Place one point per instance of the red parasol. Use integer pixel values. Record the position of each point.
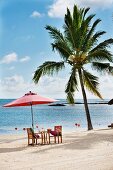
(30, 99)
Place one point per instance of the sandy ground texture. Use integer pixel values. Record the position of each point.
(84, 150)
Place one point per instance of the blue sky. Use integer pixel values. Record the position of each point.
(25, 44)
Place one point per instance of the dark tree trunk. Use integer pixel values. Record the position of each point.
(89, 123)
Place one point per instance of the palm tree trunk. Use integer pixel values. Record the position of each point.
(89, 123)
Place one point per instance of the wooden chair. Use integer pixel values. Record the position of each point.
(56, 133)
(58, 129)
(32, 136)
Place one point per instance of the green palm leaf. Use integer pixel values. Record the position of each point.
(71, 86)
(85, 12)
(103, 45)
(103, 67)
(62, 49)
(91, 83)
(70, 97)
(97, 35)
(48, 68)
(60, 43)
(78, 46)
(55, 33)
(100, 55)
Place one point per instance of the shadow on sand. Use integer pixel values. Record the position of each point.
(75, 142)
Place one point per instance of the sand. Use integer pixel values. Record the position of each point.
(86, 150)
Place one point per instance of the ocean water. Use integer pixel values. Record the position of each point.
(48, 116)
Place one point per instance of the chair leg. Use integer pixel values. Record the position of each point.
(58, 139)
(33, 141)
(36, 141)
(55, 139)
(61, 138)
(42, 138)
(46, 138)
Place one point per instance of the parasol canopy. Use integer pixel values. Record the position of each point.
(30, 99)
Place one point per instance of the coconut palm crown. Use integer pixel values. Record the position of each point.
(78, 45)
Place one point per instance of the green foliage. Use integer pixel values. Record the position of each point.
(78, 44)
(91, 83)
(100, 55)
(103, 67)
(70, 97)
(71, 86)
(48, 68)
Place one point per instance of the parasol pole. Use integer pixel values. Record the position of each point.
(32, 116)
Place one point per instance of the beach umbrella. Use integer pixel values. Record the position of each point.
(30, 99)
(110, 102)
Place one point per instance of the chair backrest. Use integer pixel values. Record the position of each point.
(30, 133)
(58, 129)
(48, 130)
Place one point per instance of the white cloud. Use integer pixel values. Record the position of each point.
(13, 57)
(58, 8)
(24, 59)
(13, 86)
(9, 58)
(35, 14)
(106, 86)
(54, 87)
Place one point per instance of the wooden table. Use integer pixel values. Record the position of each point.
(43, 137)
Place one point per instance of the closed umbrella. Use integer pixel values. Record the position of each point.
(30, 99)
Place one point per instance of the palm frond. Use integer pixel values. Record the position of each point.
(68, 18)
(72, 84)
(60, 43)
(77, 18)
(97, 35)
(85, 12)
(100, 55)
(47, 68)
(102, 67)
(55, 33)
(91, 83)
(75, 27)
(103, 45)
(84, 33)
(70, 98)
(88, 40)
(63, 49)
(69, 30)
(94, 39)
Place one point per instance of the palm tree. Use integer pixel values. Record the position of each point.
(78, 46)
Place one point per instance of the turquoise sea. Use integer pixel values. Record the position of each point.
(47, 116)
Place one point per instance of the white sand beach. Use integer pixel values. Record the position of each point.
(86, 150)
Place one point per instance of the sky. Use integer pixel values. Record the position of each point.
(25, 45)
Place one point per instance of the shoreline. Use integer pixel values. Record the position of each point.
(20, 131)
(80, 150)
(89, 103)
